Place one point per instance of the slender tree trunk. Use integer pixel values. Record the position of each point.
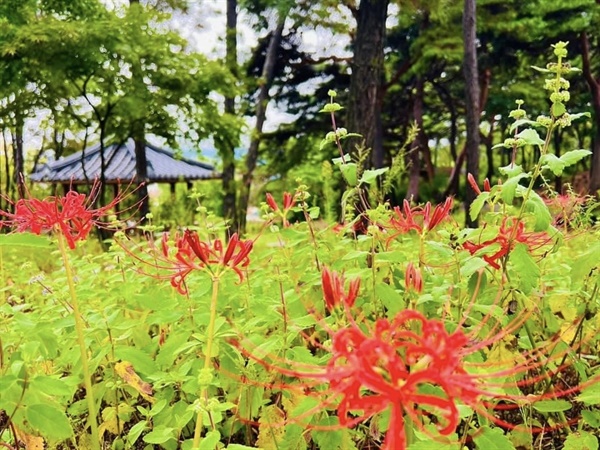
(418, 146)
(472, 101)
(364, 105)
(18, 158)
(261, 110)
(594, 84)
(139, 137)
(227, 149)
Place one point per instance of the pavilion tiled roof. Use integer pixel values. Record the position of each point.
(119, 160)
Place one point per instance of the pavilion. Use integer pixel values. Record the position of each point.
(119, 167)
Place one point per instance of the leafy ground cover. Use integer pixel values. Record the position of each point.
(400, 329)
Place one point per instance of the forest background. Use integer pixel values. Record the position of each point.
(428, 93)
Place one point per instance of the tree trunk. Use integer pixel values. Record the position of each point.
(227, 149)
(472, 102)
(419, 146)
(18, 158)
(594, 84)
(139, 137)
(261, 110)
(364, 105)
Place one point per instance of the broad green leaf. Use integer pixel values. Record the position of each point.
(210, 441)
(472, 265)
(390, 298)
(590, 395)
(24, 240)
(51, 386)
(586, 262)
(293, 439)
(574, 156)
(160, 435)
(558, 109)
(369, 176)
(140, 360)
(48, 421)
(509, 187)
(552, 406)
(518, 123)
(511, 170)
(427, 445)
(581, 440)
(239, 447)
(555, 164)
(579, 115)
(328, 437)
(543, 218)
(487, 438)
(136, 431)
(525, 268)
(477, 204)
(349, 172)
(530, 136)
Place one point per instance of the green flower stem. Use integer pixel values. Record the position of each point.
(79, 327)
(207, 358)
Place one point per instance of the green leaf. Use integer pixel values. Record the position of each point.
(518, 123)
(487, 438)
(530, 136)
(581, 440)
(574, 156)
(509, 187)
(579, 115)
(136, 431)
(210, 441)
(294, 438)
(555, 164)
(472, 265)
(558, 109)
(349, 172)
(585, 263)
(24, 240)
(536, 205)
(51, 386)
(390, 298)
(328, 437)
(525, 268)
(552, 406)
(331, 107)
(477, 204)
(239, 447)
(511, 170)
(162, 434)
(541, 69)
(369, 176)
(48, 421)
(590, 395)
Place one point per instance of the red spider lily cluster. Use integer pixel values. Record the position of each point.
(334, 291)
(420, 219)
(71, 215)
(412, 366)
(511, 232)
(289, 201)
(413, 281)
(475, 186)
(184, 254)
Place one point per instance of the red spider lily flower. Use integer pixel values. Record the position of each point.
(271, 202)
(189, 253)
(475, 186)
(333, 289)
(289, 201)
(71, 215)
(412, 279)
(421, 219)
(392, 366)
(511, 231)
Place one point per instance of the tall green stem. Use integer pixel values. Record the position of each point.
(210, 337)
(79, 327)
